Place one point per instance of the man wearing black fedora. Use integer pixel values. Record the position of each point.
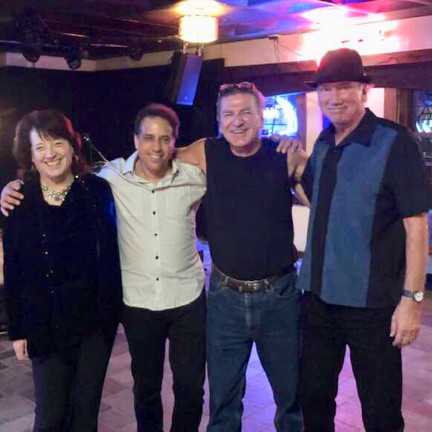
(364, 267)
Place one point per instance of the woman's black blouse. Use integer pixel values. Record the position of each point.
(61, 265)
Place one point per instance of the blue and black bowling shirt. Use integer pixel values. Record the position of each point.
(360, 192)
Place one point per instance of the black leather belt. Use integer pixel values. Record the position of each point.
(245, 286)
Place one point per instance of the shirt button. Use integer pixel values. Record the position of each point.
(157, 279)
(46, 252)
(155, 234)
(156, 257)
(153, 191)
(154, 212)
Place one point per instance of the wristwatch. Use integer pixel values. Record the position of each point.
(417, 296)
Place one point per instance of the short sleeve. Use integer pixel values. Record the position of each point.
(406, 176)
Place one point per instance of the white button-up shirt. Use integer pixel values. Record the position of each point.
(160, 265)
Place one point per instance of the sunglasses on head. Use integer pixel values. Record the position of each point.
(245, 85)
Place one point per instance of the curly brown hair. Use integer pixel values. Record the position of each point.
(47, 123)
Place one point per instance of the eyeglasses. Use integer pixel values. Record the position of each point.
(245, 85)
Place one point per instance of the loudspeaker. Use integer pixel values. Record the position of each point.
(183, 81)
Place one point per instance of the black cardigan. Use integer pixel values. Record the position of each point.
(59, 289)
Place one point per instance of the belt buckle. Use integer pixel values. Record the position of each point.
(250, 286)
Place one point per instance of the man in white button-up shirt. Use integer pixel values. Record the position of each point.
(163, 278)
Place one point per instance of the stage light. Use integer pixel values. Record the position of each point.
(73, 57)
(135, 52)
(31, 53)
(31, 30)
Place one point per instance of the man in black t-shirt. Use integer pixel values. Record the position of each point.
(252, 296)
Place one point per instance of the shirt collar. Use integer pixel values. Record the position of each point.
(361, 134)
(128, 167)
(130, 164)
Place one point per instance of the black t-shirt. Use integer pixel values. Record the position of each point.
(247, 211)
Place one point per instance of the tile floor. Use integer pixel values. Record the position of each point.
(16, 395)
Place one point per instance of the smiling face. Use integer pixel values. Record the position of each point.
(52, 157)
(155, 144)
(240, 122)
(343, 102)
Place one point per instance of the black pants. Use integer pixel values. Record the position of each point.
(147, 332)
(68, 392)
(327, 330)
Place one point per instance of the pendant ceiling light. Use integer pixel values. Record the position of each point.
(198, 21)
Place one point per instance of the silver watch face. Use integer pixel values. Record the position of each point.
(418, 296)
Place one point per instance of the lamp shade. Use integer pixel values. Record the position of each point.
(198, 28)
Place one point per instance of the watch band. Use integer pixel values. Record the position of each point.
(417, 296)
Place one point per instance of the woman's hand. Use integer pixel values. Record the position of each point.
(20, 348)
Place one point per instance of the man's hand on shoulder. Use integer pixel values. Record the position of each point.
(193, 154)
(286, 144)
(296, 162)
(11, 197)
(296, 156)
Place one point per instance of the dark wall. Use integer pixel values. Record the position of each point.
(102, 104)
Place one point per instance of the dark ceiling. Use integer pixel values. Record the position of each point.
(112, 28)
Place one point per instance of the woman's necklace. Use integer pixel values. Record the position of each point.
(54, 195)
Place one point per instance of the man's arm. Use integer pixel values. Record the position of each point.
(296, 162)
(11, 197)
(405, 325)
(193, 154)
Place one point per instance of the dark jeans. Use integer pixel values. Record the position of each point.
(68, 392)
(147, 332)
(235, 321)
(327, 330)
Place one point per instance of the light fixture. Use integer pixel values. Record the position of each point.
(198, 28)
(31, 30)
(31, 53)
(135, 52)
(73, 57)
(198, 23)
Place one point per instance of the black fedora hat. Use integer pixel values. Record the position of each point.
(343, 64)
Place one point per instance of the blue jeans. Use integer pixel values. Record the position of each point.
(234, 322)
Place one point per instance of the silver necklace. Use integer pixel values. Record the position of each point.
(54, 195)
